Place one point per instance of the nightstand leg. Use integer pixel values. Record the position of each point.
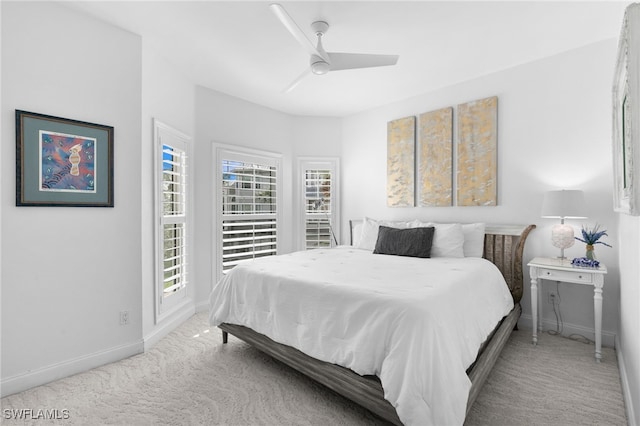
(597, 311)
(539, 310)
(534, 307)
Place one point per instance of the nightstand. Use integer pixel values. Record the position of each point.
(561, 270)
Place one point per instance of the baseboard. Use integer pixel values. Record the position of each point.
(608, 337)
(626, 390)
(168, 324)
(22, 382)
(41, 376)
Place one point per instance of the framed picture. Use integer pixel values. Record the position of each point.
(626, 116)
(63, 162)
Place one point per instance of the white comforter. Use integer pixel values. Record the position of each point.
(416, 323)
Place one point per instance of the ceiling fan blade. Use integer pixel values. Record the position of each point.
(297, 81)
(295, 30)
(347, 61)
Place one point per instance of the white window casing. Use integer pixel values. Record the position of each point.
(247, 205)
(173, 217)
(319, 196)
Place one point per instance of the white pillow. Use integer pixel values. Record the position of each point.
(448, 239)
(473, 239)
(369, 233)
(356, 233)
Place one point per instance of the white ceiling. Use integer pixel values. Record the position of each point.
(240, 48)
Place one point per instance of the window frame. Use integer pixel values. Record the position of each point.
(318, 163)
(241, 154)
(164, 134)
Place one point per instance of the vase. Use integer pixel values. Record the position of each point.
(591, 254)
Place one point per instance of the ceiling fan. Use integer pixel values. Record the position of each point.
(321, 61)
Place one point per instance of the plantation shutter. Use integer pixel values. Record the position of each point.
(320, 199)
(249, 209)
(174, 215)
(318, 232)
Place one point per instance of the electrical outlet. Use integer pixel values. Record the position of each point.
(124, 317)
(552, 298)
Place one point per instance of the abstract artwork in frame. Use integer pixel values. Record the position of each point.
(626, 116)
(435, 158)
(63, 162)
(477, 153)
(401, 135)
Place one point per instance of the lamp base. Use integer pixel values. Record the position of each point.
(562, 237)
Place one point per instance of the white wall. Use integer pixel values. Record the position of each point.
(317, 136)
(554, 132)
(169, 97)
(629, 332)
(62, 291)
(223, 119)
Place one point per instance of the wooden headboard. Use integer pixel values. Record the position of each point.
(503, 246)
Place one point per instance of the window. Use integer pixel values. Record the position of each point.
(319, 179)
(172, 208)
(248, 209)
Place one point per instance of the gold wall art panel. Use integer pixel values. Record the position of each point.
(435, 158)
(401, 136)
(477, 153)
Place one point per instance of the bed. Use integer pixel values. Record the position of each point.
(255, 305)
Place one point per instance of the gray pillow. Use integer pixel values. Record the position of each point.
(414, 242)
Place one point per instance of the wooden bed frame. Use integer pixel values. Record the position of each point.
(503, 245)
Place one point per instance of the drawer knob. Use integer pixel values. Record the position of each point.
(580, 276)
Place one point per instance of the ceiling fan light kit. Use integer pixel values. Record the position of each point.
(321, 62)
(319, 67)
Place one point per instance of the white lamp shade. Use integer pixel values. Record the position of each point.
(564, 204)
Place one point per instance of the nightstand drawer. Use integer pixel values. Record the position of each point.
(576, 276)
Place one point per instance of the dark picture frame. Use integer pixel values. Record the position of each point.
(62, 162)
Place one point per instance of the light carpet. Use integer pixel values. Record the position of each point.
(190, 378)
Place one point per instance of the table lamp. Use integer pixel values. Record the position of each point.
(563, 204)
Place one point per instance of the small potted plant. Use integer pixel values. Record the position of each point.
(592, 237)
